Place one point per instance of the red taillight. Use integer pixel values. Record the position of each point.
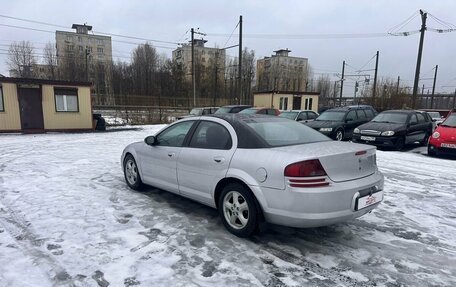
(361, 152)
(307, 168)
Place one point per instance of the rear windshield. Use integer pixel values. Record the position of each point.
(276, 131)
(196, 112)
(223, 111)
(434, 114)
(392, 118)
(288, 115)
(249, 111)
(331, 116)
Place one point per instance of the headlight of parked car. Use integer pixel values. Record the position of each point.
(326, 129)
(388, 133)
(436, 135)
(356, 131)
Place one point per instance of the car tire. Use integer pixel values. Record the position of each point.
(339, 135)
(131, 173)
(400, 143)
(238, 210)
(431, 152)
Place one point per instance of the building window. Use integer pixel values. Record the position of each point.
(66, 100)
(2, 106)
(100, 50)
(81, 49)
(69, 38)
(79, 39)
(283, 103)
(89, 49)
(70, 47)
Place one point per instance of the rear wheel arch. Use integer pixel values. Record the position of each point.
(228, 180)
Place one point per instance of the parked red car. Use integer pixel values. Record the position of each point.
(443, 140)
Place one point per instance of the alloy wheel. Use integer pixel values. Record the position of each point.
(235, 210)
(131, 171)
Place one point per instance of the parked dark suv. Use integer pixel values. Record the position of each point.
(395, 128)
(233, 109)
(339, 123)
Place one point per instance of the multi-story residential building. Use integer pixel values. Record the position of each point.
(207, 58)
(280, 72)
(85, 56)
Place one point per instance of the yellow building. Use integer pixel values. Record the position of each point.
(36, 105)
(287, 100)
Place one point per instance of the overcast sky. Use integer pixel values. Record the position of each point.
(170, 21)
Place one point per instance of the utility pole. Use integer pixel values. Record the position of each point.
(422, 96)
(342, 83)
(433, 86)
(193, 68)
(418, 61)
(216, 76)
(335, 96)
(397, 85)
(375, 79)
(356, 88)
(240, 61)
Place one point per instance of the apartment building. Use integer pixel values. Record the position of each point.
(282, 72)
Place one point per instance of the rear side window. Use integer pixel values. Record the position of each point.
(271, 112)
(262, 112)
(361, 114)
(351, 115)
(413, 119)
(369, 114)
(311, 115)
(421, 118)
(235, 110)
(302, 116)
(210, 135)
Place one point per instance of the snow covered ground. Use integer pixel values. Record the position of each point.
(68, 219)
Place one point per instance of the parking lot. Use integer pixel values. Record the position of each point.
(68, 218)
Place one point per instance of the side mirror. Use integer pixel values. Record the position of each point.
(348, 120)
(413, 123)
(150, 140)
(438, 124)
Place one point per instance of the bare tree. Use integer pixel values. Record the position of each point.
(50, 60)
(20, 58)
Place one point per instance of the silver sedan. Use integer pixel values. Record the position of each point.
(256, 168)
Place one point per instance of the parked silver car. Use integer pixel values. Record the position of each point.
(255, 167)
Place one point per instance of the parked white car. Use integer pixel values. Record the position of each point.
(255, 167)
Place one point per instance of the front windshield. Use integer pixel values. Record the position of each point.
(249, 111)
(288, 115)
(282, 132)
(331, 116)
(393, 118)
(450, 121)
(223, 111)
(196, 112)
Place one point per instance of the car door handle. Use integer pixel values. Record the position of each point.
(171, 154)
(219, 159)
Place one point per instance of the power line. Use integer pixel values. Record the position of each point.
(61, 26)
(305, 36)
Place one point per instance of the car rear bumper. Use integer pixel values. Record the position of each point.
(313, 207)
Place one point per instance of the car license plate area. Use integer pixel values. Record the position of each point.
(447, 145)
(369, 200)
(364, 138)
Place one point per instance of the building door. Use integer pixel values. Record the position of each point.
(297, 103)
(31, 109)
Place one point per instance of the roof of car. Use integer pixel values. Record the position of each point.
(295, 111)
(234, 106)
(402, 111)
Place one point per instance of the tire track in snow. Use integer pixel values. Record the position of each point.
(20, 230)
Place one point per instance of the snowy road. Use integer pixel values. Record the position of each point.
(68, 219)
